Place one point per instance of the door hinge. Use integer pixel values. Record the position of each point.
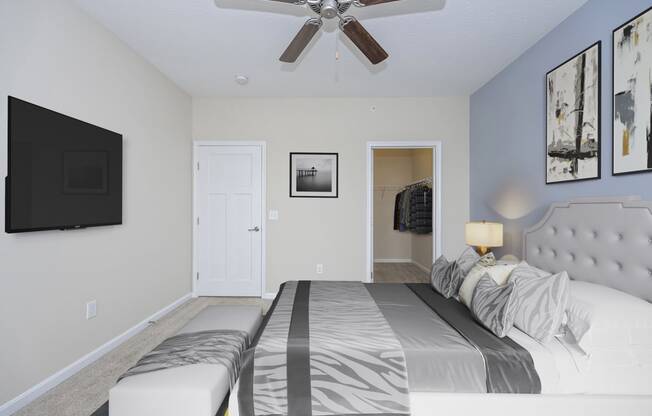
(197, 275)
(197, 165)
(197, 220)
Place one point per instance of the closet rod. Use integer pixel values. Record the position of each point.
(420, 181)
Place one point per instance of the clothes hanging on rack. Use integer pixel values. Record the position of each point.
(413, 208)
(397, 211)
(421, 210)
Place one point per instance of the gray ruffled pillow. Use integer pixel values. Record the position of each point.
(494, 306)
(445, 277)
(541, 301)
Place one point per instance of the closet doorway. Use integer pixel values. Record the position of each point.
(404, 210)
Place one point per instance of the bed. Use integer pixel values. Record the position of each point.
(344, 348)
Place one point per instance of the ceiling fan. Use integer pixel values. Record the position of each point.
(330, 9)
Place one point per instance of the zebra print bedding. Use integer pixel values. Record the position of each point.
(345, 348)
(221, 347)
(326, 350)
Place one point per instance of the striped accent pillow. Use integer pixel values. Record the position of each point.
(445, 277)
(541, 301)
(467, 260)
(494, 306)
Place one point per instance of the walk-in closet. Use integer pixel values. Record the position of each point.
(403, 214)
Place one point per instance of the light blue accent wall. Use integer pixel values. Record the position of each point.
(508, 146)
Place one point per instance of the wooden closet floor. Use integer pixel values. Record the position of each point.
(399, 273)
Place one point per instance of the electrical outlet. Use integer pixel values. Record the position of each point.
(91, 309)
(320, 269)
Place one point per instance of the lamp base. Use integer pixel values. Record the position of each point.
(482, 250)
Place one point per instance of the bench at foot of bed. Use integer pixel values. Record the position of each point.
(192, 390)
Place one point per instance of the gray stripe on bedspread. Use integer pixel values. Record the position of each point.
(276, 323)
(509, 366)
(438, 358)
(298, 355)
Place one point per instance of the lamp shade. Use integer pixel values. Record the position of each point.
(484, 234)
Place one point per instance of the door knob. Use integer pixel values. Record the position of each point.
(255, 229)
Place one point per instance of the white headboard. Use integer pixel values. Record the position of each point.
(603, 241)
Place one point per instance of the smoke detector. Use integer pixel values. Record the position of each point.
(241, 79)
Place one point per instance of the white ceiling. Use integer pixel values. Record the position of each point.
(436, 47)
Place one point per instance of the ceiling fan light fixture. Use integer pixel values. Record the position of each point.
(329, 9)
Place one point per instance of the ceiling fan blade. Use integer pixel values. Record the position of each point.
(363, 40)
(373, 2)
(301, 40)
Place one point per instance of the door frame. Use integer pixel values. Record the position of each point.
(196, 145)
(436, 147)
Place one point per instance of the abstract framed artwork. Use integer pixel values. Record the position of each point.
(573, 111)
(632, 96)
(314, 175)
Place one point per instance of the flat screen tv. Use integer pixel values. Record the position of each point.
(62, 173)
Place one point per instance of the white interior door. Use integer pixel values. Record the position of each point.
(229, 224)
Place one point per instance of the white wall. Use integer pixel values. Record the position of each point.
(54, 55)
(335, 228)
(393, 169)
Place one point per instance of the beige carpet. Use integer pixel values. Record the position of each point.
(87, 390)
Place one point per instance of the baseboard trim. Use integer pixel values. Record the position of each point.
(421, 266)
(44, 386)
(393, 261)
(270, 295)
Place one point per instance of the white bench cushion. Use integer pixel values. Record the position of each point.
(240, 317)
(194, 390)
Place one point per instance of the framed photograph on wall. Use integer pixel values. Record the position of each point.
(632, 96)
(573, 106)
(314, 175)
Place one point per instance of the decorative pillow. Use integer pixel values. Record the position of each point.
(541, 301)
(494, 306)
(445, 277)
(602, 317)
(467, 260)
(500, 274)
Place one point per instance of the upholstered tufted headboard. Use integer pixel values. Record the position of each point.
(603, 241)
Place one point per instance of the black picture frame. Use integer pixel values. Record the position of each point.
(613, 98)
(597, 44)
(335, 176)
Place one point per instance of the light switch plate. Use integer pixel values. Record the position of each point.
(91, 309)
(273, 215)
(320, 269)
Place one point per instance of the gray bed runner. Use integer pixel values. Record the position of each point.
(325, 349)
(509, 366)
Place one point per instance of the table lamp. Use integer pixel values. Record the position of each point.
(484, 235)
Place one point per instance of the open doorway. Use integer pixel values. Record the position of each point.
(403, 216)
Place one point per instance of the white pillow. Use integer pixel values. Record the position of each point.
(500, 274)
(600, 317)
